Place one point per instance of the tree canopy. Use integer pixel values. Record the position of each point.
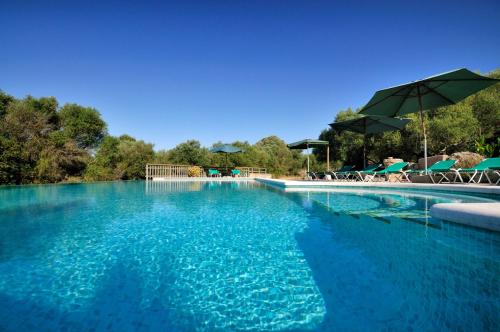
(42, 142)
(465, 126)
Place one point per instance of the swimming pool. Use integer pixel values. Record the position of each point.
(184, 256)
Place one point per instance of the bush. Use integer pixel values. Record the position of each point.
(466, 159)
(195, 171)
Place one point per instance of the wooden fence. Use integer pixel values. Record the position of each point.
(249, 171)
(182, 171)
(167, 171)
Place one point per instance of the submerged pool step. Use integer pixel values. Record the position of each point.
(417, 217)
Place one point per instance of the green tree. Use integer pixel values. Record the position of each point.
(5, 100)
(162, 157)
(346, 146)
(453, 128)
(25, 133)
(486, 108)
(277, 157)
(57, 162)
(103, 166)
(133, 157)
(189, 153)
(122, 158)
(48, 106)
(82, 124)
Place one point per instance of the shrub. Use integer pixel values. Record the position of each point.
(195, 172)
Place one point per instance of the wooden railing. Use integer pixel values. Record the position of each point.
(167, 171)
(182, 171)
(248, 171)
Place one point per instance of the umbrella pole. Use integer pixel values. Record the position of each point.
(328, 158)
(364, 146)
(307, 158)
(364, 152)
(423, 127)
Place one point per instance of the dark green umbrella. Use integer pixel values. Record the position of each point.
(370, 124)
(432, 92)
(226, 149)
(307, 143)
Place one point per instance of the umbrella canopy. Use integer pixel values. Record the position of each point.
(226, 149)
(432, 92)
(307, 143)
(370, 124)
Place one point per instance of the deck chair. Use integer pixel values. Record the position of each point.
(487, 165)
(312, 176)
(213, 173)
(342, 173)
(439, 169)
(396, 168)
(359, 175)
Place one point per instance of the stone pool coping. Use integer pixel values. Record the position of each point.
(482, 215)
(461, 188)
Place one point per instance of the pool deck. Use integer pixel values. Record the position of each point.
(462, 188)
(482, 215)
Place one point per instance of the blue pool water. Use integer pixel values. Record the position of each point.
(240, 256)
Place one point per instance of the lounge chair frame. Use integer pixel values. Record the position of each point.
(489, 165)
(400, 173)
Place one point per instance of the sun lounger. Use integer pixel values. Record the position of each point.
(235, 173)
(342, 173)
(439, 169)
(359, 175)
(316, 175)
(489, 165)
(396, 168)
(213, 173)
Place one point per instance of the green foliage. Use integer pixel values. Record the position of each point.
(40, 142)
(33, 148)
(276, 156)
(5, 100)
(450, 129)
(346, 147)
(82, 124)
(47, 106)
(133, 157)
(56, 163)
(103, 166)
(24, 133)
(487, 150)
(121, 158)
(189, 153)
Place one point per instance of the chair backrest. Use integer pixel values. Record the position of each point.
(313, 175)
(488, 163)
(235, 171)
(443, 165)
(213, 171)
(345, 168)
(370, 168)
(396, 167)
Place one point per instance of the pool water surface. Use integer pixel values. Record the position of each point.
(242, 256)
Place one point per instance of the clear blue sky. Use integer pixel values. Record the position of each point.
(227, 70)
